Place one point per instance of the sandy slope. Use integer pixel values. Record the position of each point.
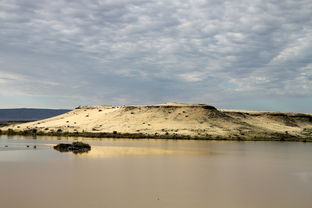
(173, 118)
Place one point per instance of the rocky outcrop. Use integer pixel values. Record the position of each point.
(75, 147)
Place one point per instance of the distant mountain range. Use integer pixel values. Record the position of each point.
(29, 114)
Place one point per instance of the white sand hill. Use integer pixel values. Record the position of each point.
(198, 120)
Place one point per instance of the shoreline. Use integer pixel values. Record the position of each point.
(271, 137)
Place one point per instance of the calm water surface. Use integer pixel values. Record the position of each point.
(155, 173)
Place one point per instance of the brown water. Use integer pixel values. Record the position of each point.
(155, 173)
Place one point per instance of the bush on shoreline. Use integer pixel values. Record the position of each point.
(115, 134)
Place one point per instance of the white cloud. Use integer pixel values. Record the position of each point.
(263, 47)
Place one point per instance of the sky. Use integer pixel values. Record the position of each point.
(235, 54)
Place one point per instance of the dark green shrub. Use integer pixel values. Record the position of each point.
(11, 131)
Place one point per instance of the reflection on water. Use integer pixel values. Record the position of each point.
(115, 151)
(76, 152)
(155, 173)
(103, 151)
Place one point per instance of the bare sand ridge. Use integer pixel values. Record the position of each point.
(175, 119)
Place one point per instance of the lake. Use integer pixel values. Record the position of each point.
(155, 173)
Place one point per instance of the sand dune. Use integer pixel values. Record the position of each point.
(194, 120)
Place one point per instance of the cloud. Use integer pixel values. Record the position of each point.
(148, 51)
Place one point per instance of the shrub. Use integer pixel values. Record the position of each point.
(34, 131)
(11, 131)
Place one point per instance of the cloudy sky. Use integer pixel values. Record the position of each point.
(239, 54)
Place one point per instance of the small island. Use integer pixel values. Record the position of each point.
(75, 147)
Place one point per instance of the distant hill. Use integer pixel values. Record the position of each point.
(175, 120)
(29, 114)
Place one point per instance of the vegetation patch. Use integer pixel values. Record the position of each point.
(166, 135)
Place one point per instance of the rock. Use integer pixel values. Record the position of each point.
(75, 147)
